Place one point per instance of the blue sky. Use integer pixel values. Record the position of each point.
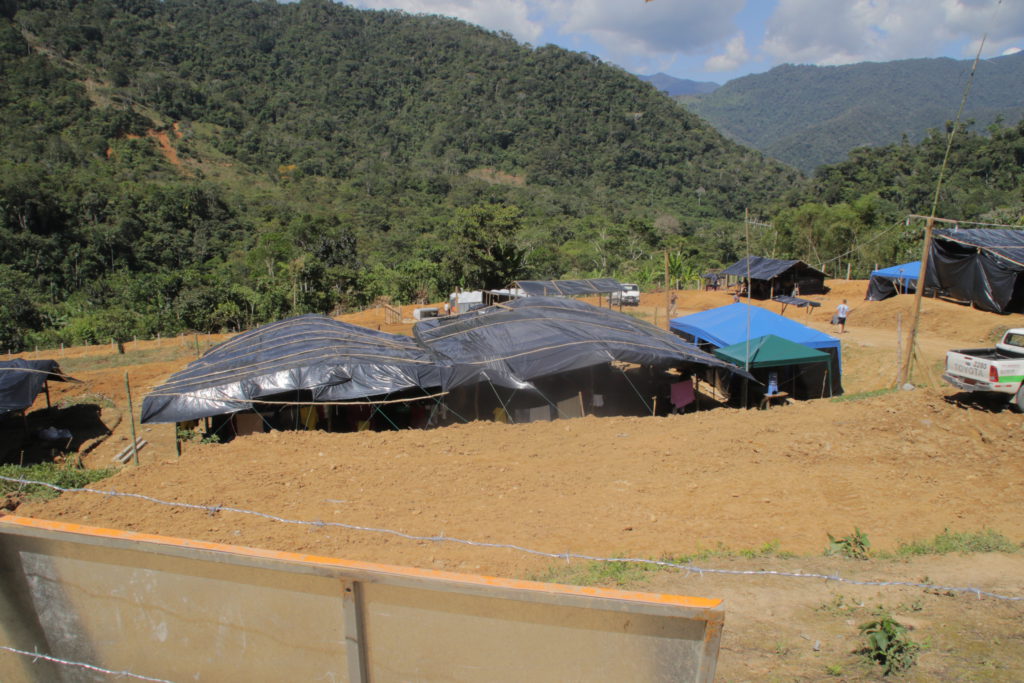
(718, 40)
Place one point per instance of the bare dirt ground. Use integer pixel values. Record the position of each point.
(899, 466)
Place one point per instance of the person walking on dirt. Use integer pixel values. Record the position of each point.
(841, 312)
(672, 305)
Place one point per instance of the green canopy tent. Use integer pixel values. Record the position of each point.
(802, 372)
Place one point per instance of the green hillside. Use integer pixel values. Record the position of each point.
(213, 164)
(808, 116)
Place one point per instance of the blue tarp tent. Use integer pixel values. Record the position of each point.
(893, 280)
(727, 325)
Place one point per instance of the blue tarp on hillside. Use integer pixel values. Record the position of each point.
(886, 282)
(907, 272)
(727, 325)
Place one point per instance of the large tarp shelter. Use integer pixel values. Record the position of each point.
(801, 371)
(514, 343)
(332, 360)
(887, 282)
(769, 277)
(589, 287)
(543, 357)
(735, 323)
(981, 266)
(22, 380)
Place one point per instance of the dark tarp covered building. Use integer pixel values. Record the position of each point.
(538, 354)
(887, 282)
(22, 380)
(316, 357)
(982, 267)
(769, 277)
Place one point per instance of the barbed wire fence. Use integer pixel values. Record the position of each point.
(565, 556)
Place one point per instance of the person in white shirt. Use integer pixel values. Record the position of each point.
(841, 312)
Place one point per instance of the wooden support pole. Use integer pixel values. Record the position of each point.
(904, 372)
(131, 417)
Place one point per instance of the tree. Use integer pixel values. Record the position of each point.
(480, 248)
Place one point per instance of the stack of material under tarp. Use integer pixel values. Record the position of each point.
(332, 360)
(512, 344)
(22, 380)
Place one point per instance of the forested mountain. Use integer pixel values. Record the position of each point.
(813, 115)
(208, 164)
(673, 86)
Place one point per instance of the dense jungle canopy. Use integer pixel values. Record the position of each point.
(214, 164)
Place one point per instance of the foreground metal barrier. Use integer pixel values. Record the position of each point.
(174, 609)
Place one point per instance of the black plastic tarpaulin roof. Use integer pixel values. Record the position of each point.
(762, 268)
(514, 343)
(982, 266)
(22, 380)
(333, 360)
(598, 285)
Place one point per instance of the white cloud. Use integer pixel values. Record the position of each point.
(661, 26)
(845, 31)
(514, 16)
(1010, 51)
(735, 55)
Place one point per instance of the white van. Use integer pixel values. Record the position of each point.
(629, 296)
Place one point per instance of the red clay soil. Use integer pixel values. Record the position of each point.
(899, 466)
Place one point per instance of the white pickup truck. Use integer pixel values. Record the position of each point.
(1000, 369)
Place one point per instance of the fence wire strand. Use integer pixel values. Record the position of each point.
(566, 556)
(82, 665)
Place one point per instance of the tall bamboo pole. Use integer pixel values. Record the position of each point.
(904, 372)
(668, 296)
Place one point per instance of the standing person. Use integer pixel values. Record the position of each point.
(672, 305)
(841, 312)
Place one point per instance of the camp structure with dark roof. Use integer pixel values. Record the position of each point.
(771, 277)
(981, 266)
(539, 358)
(22, 380)
(279, 372)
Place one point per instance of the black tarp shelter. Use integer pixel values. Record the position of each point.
(332, 360)
(588, 287)
(511, 344)
(980, 266)
(22, 380)
(770, 277)
(542, 357)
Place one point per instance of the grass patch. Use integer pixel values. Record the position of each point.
(135, 357)
(618, 574)
(985, 541)
(863, 394)
(86, 399)
(50, 473)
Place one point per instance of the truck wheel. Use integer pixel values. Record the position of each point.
(1018, 400)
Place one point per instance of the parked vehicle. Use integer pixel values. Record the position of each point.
(629, 296)
(999, 369)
